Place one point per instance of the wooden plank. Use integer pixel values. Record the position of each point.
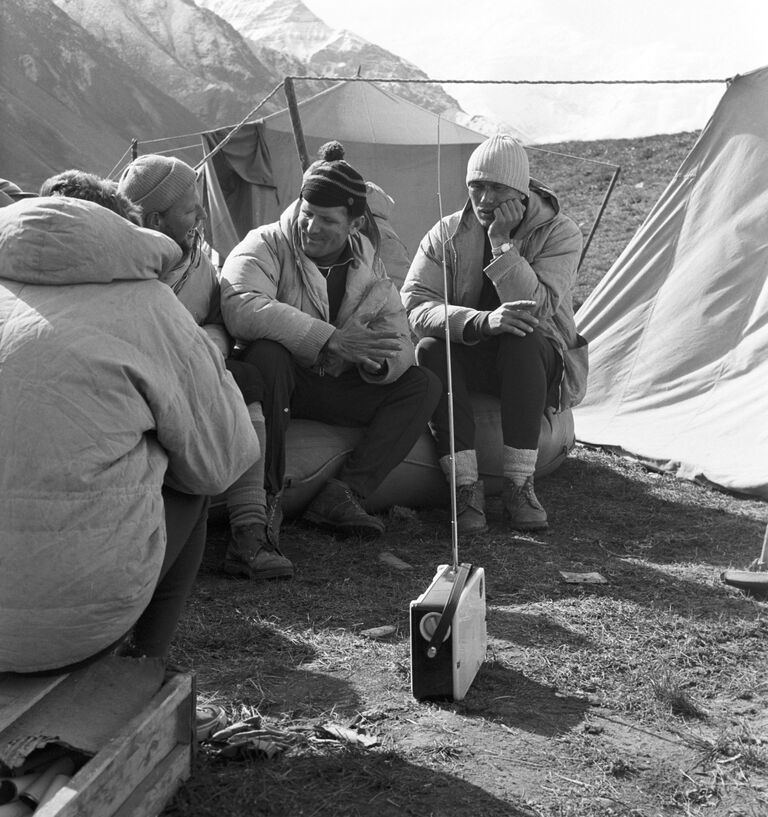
(18, 693)
(110, 778)
(149, 798)
(158, 787)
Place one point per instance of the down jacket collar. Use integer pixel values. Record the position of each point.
(58, 240)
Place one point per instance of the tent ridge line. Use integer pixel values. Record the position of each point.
(326, 78)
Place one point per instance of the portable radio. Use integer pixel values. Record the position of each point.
(448, 633)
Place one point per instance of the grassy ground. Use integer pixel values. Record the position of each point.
(642, 696)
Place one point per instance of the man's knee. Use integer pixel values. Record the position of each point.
(270, 357)
(430, 353)
(533, 343)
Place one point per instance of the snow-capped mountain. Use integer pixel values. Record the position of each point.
(81, 78)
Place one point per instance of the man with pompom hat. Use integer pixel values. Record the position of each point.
(310, 300)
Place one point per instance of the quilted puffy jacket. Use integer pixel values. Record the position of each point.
(107, 389)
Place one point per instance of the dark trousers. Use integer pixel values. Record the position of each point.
(393, 414)
(186, 522)
(524, 372)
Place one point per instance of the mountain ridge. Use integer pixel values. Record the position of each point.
(82, 78)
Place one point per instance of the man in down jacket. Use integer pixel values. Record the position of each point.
(511, 258)
(317, 314)
(165, 188)
(118, 420)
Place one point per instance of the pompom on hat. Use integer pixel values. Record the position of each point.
(500, 159)
(334, 184)
(156, 182)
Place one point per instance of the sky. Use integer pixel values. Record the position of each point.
(569, 40)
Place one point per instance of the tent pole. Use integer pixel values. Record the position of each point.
(599, 215)
(298, 132)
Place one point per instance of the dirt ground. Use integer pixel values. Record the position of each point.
(643, 696)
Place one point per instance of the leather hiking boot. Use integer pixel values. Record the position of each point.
(337, 507)
(470, 508)
(249, 554)
(521, 509)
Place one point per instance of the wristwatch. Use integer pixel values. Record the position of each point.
(505, 247)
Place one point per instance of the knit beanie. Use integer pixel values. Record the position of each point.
(156, 182)
(334, 184)
(500, 159)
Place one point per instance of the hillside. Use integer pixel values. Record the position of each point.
(192, 55)
(67, 101)
(81, 78)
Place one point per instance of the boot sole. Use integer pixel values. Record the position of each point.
(527, 526)
(244, 572)
(364, 531)
(473, 531)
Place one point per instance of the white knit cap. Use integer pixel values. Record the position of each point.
(500, 159)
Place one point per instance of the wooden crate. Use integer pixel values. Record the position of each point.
(137, 771)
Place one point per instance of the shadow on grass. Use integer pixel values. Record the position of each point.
(503, 695)
(532, 630)
(600, 498)
(340, 782)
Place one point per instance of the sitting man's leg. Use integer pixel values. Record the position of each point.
(470, 495)
(186, 518)
(393, 415)
(251, 551)
(529, 371)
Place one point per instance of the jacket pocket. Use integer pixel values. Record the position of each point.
(575, 377)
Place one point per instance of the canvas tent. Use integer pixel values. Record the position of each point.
(391, 141)
(678, 328)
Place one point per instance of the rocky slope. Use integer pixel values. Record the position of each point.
(80, 78)
(287, 33)
(67, 101)
(190, 53)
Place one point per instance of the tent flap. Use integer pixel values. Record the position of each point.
(678, 328)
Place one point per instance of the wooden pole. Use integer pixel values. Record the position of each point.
(298, 132)
(599, 215)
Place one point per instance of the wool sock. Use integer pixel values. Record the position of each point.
(519, 463)
(466, 467)
(246, 497)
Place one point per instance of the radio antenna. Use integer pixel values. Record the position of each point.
(451, 436)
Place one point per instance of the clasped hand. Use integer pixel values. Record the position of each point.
(367, 347)
(513, 317)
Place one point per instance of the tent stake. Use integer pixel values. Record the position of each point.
(298, 132)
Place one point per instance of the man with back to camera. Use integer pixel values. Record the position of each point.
(165, 188)
(325, 326)
(116, 414)
(511, 258)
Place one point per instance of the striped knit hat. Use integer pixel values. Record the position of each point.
(156, 182)
(500, 159)
(334, 184)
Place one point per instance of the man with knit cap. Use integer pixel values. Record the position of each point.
(166, 189)
(325, 326)
(511, 259)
